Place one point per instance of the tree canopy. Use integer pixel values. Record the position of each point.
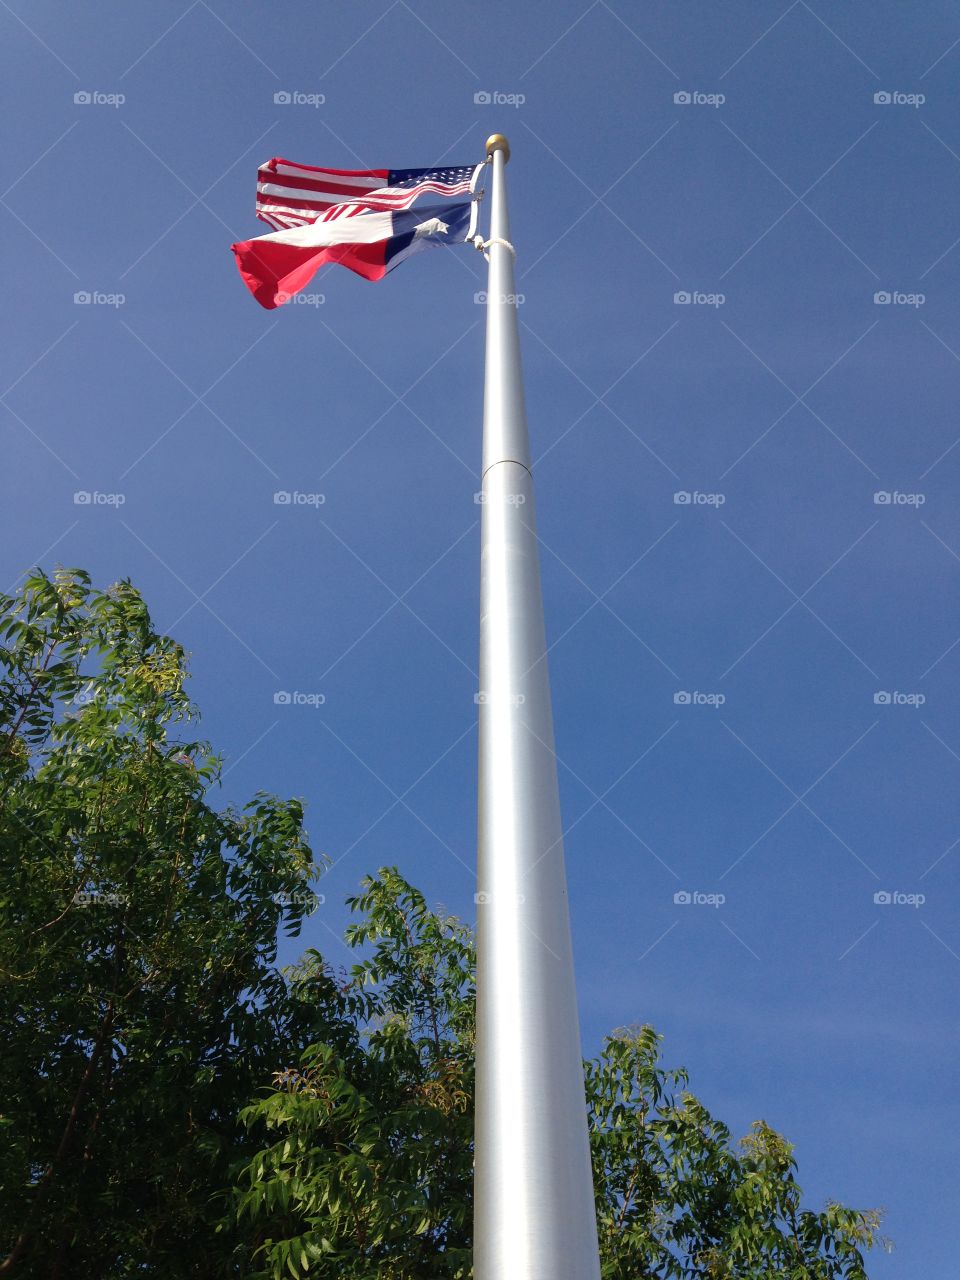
(367, 1171)
(140, 1003)
(174, 1104)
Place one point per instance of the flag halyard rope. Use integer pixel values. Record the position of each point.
(484, 245)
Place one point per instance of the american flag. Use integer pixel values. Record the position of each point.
(292, 195)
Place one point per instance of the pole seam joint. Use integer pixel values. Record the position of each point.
(499, 463)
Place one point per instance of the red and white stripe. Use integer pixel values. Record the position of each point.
(292, 195)
(289, 195)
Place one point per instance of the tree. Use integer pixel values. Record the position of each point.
(140, 1004)
(367, 1171)
(676, 1199)
(370, 1166)
(175, 1105)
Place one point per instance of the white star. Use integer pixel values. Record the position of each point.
(432, 227)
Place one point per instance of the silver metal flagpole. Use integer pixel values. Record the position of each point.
(534, 1213)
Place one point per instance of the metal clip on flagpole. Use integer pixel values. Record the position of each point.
(534, 1213)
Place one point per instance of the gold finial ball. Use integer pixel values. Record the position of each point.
(497, 142)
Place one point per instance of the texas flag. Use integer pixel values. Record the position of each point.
(370, 242)
(360, 219)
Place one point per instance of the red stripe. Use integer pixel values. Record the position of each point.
(276, 204)
(400, 200)
(274, 272)
(340, 173)
(426, 184)
(310, 184)
(282, 202)
(320, 196)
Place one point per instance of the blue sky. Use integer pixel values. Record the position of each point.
(782, 399)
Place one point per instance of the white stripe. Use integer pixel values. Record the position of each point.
(277, 192)
(281, 206)
(300, 193)
(285, 218)
(410, 193)
(365, 228)
(273, 188)
(341, 179)
(386, 194)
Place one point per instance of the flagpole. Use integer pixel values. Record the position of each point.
(534, 1215)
